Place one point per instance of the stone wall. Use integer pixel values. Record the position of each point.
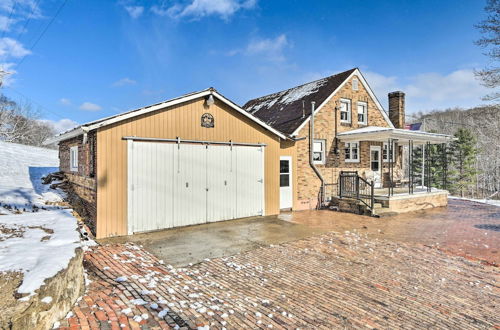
(325, 127)
(418, 202)
(64, 288)
(83, 193)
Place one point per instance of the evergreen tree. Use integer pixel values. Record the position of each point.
(463, 159)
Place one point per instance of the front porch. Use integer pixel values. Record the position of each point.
(404, 185)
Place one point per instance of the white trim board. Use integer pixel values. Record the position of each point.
(357, 73)
(141, 111)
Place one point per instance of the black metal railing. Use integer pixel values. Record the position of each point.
(351, 185)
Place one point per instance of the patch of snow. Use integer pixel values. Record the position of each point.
(56, 325)
(127, 311)
(121, 279)
(484, 201)
(138, 301)
(46, 246)
(47, 300)
(22, 168)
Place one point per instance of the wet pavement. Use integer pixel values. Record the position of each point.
(193, 244)
(465, 228)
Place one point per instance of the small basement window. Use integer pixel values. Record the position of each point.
(319, 151)
(73, 159)
(355, 84)
(362, 113)
(352, 152)
(345, 111)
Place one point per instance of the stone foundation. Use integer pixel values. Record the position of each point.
(64, 288)
(83, 198)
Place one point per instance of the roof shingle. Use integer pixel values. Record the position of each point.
(284, 110)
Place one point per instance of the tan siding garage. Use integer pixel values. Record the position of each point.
(183, 121)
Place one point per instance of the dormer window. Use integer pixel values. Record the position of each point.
(345, 111)
(362, 113)
(355, 84)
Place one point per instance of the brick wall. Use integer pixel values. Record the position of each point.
(324, 126)
(83, 194)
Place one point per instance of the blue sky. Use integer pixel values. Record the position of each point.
(99, 58)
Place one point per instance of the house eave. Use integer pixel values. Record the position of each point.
(384, 134)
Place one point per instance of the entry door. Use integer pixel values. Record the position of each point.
(376, 165)
(286, 200)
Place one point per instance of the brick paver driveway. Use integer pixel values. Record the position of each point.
(465, 228)
(328, 281)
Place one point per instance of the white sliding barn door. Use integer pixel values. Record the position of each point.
(174, 185)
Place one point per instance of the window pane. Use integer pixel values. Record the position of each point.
(347, 153)
(354, 153)
(284, 166)
(284, 180)
(318, 146)
(361, 118)
(317, 156)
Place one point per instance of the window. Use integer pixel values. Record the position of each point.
(319, 151)
(385, 152)
(352, 152)
(362, 113)
(284, 173)
(73, 159)
(345, 111)
(355, 84)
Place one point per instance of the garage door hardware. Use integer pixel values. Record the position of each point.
(179, 140)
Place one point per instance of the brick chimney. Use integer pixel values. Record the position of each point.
(397, 109)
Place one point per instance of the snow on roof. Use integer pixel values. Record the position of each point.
(288, 96)
(285, 110)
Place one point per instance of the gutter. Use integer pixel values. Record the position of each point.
(311, 161)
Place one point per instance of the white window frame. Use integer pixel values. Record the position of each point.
(385, 152)
(365, 113)
(350, 146)
(323, 151)
(348, 105)
(355, 84)
(73, 159)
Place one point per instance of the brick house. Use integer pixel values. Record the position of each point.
(201, 158)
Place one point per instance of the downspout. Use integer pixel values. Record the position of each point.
(311, 162)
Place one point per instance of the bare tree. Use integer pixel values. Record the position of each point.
(490, 29)
(19, 123)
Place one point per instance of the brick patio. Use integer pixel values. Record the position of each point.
(322, 282)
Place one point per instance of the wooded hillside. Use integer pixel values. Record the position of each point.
(484, 123)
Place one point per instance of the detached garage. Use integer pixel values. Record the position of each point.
(195, 159)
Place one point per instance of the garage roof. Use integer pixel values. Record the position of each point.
(87, 127)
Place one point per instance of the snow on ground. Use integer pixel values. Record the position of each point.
(494, 202)
(21, 168)
(38, 244)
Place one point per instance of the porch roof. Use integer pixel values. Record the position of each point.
(383, 134)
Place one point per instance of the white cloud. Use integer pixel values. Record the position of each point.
(201, 8)
(12, 48)
(61, 125)
(89, 106)
(124, 82)
(134, 11)
(65, 101)
(5, 23)
(267, 48)
(428, 91)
